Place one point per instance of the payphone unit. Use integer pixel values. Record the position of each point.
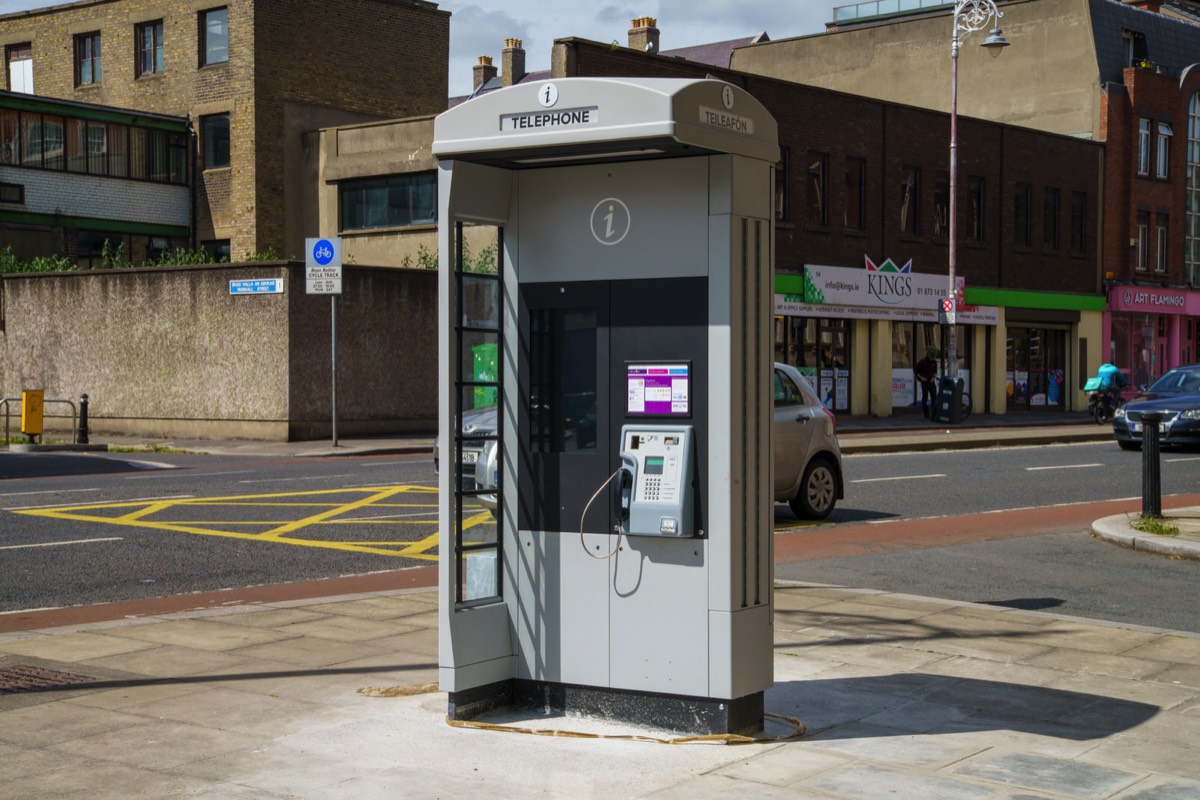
(657, 480)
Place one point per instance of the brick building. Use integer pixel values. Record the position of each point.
(250, 76)
(862, 180)
(1122, 72)
(75, 177)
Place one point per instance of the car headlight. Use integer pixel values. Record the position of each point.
(1191, 413)
(1119, 413)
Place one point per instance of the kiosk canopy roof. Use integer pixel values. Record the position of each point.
(571, 120)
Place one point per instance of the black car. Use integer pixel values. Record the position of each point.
(1176, 395)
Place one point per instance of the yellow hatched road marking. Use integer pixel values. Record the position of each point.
(140, 514)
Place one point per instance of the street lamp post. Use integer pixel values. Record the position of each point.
(969, 16)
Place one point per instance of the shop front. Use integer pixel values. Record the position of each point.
(1149, 330)
(858, 333)
(1046, 346)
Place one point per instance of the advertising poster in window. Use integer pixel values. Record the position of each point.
(904, 388)
(842, 390)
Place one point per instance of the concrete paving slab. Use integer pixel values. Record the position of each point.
(863, 782)
(1135, 752)
(1159, 788)
(48, 724)
(780, 766)
(1073, 778)
(168, 662)
(68, 647)
(213, 633)
(310, 653)
(1064, 659)
(1173, 648)
(159, 745)
(96, 779)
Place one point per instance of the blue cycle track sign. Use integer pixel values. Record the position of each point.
(323, 265)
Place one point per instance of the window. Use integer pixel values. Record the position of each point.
(1191, 248)
(12, 193)
(18, 58)
(218, 249)
(976, 191)
(149, 37)
(855, 217)
(1050, 210)
(910, 201)
(818, 186)
(1160, 243)
(388, 202)
(214, 135)
(10, 142)
(1134, 44)
(1143, 166)
(49, 141)
(782, 182)
(1143, 241)
(1079, 223)
(1163, 150)
(87, 59)
(1023, 215)
(214, 36)
(941, 205)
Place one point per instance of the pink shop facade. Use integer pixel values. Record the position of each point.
(1148, 330)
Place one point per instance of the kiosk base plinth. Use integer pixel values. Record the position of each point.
(692, 715)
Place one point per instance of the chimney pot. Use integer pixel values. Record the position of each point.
(483, 71)
(643, 34)
(512, 62)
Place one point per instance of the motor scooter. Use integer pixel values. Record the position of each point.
(1101, 406)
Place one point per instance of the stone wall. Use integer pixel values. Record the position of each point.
(170, 352)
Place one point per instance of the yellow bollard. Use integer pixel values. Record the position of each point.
(31, 412)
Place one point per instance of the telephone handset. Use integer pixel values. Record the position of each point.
(654, 485)
(623, 498)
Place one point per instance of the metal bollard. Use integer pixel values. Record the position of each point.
(1151, 474)
(82, 436)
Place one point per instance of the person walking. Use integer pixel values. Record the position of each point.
(926, 374)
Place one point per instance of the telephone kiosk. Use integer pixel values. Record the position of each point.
(614, 558)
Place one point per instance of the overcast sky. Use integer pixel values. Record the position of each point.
(479, 27)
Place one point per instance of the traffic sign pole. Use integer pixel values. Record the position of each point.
(323, 275)
(333, 364)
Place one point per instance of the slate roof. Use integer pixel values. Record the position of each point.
(1171, 43)
(715, 54)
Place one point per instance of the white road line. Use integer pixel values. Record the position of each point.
(105, 502)
(47, 491)
(1177, 460)
(900, 478)
(57, 544)
(1063, 466)
(429, 513)
(308, 478)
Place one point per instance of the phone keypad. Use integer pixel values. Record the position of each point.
(653, 487)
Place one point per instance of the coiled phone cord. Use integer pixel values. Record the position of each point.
(583, 516)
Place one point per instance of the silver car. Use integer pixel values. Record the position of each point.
(808, 461)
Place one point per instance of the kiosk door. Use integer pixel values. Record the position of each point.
(578, 342)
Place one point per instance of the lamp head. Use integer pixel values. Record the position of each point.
(995, 42)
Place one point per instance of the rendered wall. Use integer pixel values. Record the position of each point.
(170, 352)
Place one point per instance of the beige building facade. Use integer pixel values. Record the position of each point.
(251, 76)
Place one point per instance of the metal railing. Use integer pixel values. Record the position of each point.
(7, 412)
(884, 8)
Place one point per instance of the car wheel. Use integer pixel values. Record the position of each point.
(1129, 445)
(818, 491)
